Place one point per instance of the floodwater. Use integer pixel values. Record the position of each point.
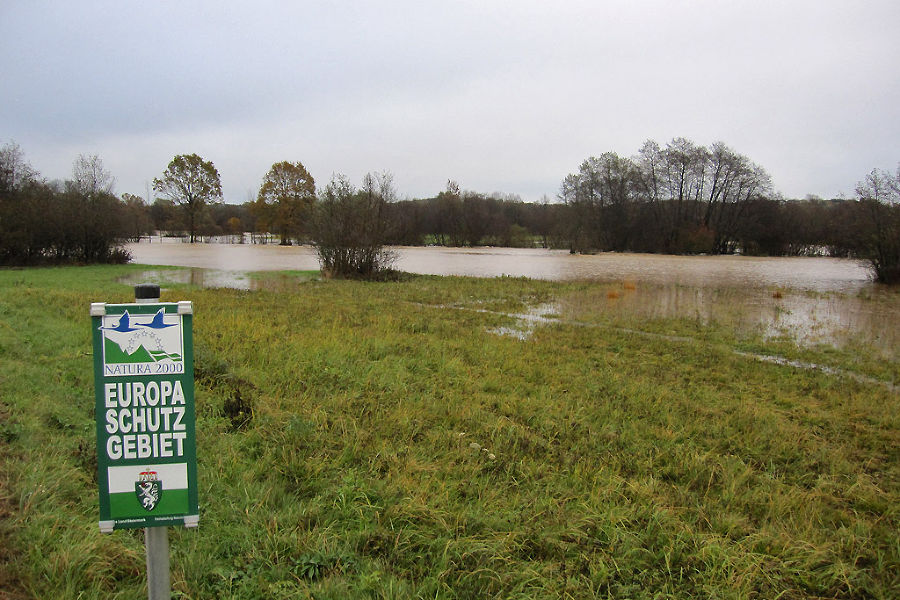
(812, 300)
(807, 273)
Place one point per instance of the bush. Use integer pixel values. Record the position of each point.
(882, 248)
(79, 221)
(879, 195)
(350, 228)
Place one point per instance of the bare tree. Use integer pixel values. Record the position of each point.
(879, 195)
(733, 181)
(598, 197)
(14, 169)
(90, 178)
(350, 227)
(681, 198)
(92, 216)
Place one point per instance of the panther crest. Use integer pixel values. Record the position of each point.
(148, 489)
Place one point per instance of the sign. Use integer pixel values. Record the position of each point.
(144, 395)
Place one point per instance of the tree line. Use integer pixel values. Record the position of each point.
(686, 198)
(680, 198)
(77, 220)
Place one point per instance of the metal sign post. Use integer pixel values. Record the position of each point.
(144, 394)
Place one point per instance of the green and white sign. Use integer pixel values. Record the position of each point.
(144, 394)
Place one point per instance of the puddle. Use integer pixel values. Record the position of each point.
(205, 278)
(799, 364)
(214, 278)
(807, 318)
(527, 322)
(548, 313)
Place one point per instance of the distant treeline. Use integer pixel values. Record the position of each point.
(79, 220)
(687, 199)
(681, 198)
(772, 227)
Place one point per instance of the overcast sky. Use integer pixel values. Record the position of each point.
(499, 96)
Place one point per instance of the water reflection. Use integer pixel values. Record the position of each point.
(810, 300)
(810, 273)
(218, 278)
(527, 321)
(808, 318)
(224, 257)
(205, 278)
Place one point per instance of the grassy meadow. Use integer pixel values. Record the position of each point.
(415, 439)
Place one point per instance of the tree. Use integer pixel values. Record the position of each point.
(166, 217)
(78, 221)
(92, 217)
(136, 221)
(90, 178)
(285, 199)
(449, 218)
(14, 169)
(656, 228)
(681, 198)
(235, 228)
(350, 227)
(582, 203)
(598, 198)
(193, 183)
(732, 183)
(879, 195)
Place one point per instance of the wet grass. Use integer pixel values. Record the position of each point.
(835, 331)
(400, 449)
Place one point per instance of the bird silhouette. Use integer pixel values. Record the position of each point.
(157, 322)
(123, 326)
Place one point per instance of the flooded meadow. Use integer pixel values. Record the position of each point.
(809, 300)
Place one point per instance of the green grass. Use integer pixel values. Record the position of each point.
(399, 449)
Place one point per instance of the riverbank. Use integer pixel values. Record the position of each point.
(462, 438)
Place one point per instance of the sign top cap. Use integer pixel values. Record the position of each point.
(146, 291)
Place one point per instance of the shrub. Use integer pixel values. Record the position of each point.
(350, 227)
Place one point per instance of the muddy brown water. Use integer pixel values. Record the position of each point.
(810, 299)
(808, 273)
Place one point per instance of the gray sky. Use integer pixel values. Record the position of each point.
(499, 96)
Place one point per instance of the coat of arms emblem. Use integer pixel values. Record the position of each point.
(148, 489)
